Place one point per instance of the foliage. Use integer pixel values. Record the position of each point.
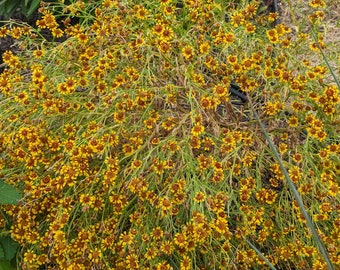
(8, 250)
(27, 7)
(8, 247)
(132, 152)
(8, 194)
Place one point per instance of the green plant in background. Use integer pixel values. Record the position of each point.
(9, 195)
(27, 7)
(8, 251)
(8, 247)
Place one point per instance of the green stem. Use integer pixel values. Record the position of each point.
(326, 60)
(296, 194)
(261, 255)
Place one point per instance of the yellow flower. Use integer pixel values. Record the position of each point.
(205, 48)
(197, 129)
(250, 28)
(187, 52)
(185, 263)
(221, 90)
(38, 53)
(199, 197)
(317, 4)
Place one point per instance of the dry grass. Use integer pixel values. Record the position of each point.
(294, 13)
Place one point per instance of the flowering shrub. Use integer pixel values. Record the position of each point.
(131, 152)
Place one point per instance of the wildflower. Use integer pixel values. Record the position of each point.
(57, 32)
(128, 149)
(165, 204)
(16, 32)
(180, 240)
(126, 238)
(163, 265)
(167, 248)
(132, 261)
(169, 123)
(293, 121)
(272, 36)
(187, 52)
(232, 59)
(221, 90)
(250, 28)
(208, 144)
(204, 48)
(247, 63)
(30, 257)
(248, 159)
(173, 146)
(197, 129)
(245, 193)
(38, 53)
(317, 3)
(237, 19)
(164, 46)
(273, 108)
(157, 233)
(10, 59)
(168, 10)
(141, 13)
(325, 207)
(95, 255)
(4, 31)
(150, 253)
(185, 263)
(86, 199)
(119, 117)
(217, 176)
(69, 129)
(136, 163)
(321, 135)
(206, 102)
(297, 157)
(167, 34)
(272, 16)
(236, 68)
(295, 174)
(282, 148)
(229, 38)
(21, 97)
(221, 225)
(54, 144)
(199, 197)
(158, 29)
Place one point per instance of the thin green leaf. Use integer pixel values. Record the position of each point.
(10, 6)
(33, 7)
(261, 255)
(326, 60)
(8, 194)
(3, 2)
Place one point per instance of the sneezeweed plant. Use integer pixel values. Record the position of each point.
(132, 153)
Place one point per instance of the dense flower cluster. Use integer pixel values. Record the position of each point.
(131, 152)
